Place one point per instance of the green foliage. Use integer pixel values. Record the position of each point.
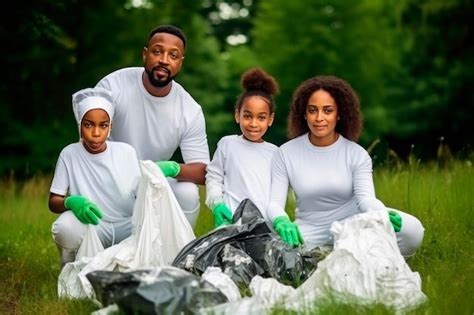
(433, 95)
(205, 221)
(411, 62)
(237, 60)
(204, 75)
(353, 41)
(58, 48)
(233, 23)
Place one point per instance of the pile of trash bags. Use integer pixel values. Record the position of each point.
(144, 274)
(249, 249)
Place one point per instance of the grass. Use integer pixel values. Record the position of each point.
(441, 197)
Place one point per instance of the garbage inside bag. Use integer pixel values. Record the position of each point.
(312, 257)
(239, 266)
(270, 256)
(164, 290)
(283, 263)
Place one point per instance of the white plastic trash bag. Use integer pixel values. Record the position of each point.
(365, 267)
(69, 283)
(270, 292)
(160, 231)
(223, 282)
(90, 245)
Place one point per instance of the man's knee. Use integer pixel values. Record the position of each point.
(187, 195)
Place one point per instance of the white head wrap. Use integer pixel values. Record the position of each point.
(91, 98)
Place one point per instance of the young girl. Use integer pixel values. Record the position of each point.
(329, 172)
(240, 167)
(95, 180)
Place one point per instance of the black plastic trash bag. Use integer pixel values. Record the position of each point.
(271, 257)
(284, 263)
(206, 251)
(239, 266)
(165, 290)
(312, 257)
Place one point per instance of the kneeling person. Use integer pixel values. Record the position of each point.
(95, 180)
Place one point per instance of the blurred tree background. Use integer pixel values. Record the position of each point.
(411, 61)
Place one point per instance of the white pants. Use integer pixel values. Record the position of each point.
(187, 195)
(68, 233)
(411, 234)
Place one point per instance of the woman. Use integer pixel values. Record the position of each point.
(329, 172)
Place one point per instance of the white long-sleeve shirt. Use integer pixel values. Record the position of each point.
(240, 169)
(330, 183)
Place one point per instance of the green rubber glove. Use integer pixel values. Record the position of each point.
(288, 231)
(169, 168)
(222, 214)
(396, 220)
(84, 209)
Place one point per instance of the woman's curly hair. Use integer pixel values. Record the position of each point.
(348, 107)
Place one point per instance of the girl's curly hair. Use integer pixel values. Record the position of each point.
(256, 82)
(348, 107)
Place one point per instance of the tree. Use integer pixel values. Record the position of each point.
(298, 40)
(434, 93)
(58, 47)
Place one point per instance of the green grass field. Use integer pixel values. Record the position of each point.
(442, 198)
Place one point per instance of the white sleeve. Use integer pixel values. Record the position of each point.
(215, 178)
(364, 185)
(60, 183)
(193, 146)
(279, 187)
(112, 83)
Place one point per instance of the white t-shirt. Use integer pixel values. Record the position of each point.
(330, 183)
(110, 179)
(240, 169)
(156, 126)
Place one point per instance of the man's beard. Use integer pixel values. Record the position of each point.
(158, 82)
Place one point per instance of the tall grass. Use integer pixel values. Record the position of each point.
(29, 259)
(441, 197)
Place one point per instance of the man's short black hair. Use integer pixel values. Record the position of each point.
(170, 29)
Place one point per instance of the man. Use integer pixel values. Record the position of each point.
(156, 115)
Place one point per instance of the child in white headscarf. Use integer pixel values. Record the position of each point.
(95, 180)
